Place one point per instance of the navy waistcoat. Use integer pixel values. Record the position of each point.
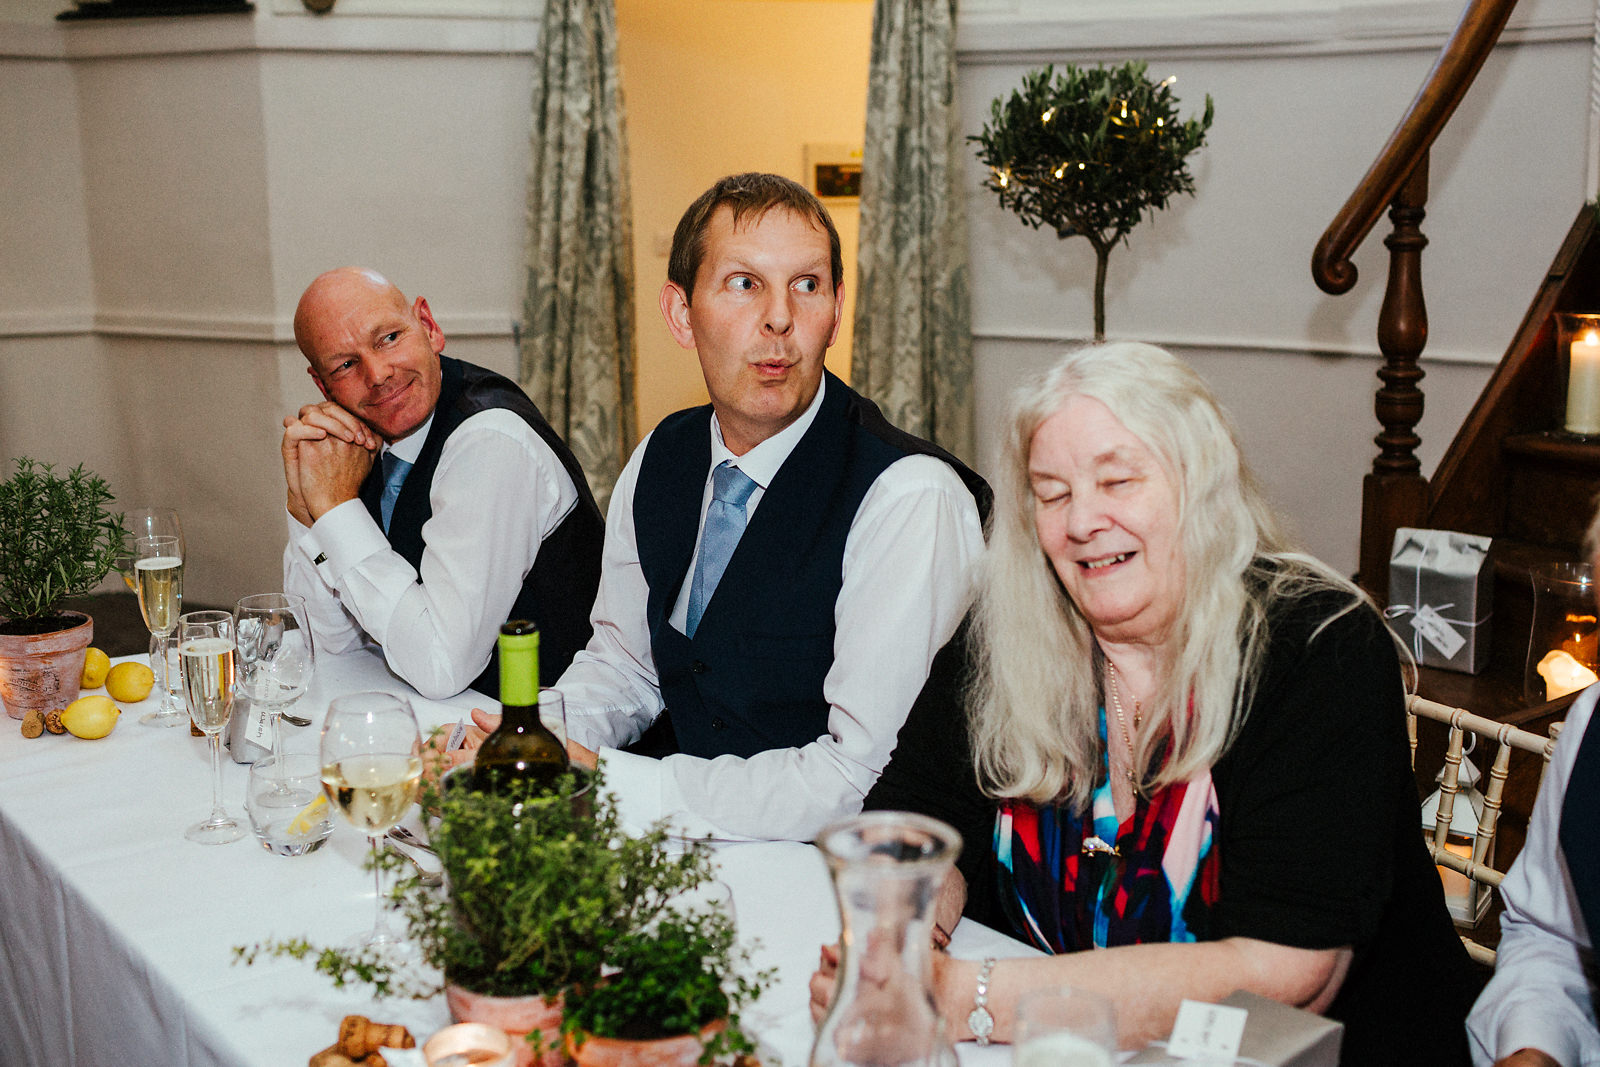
(559, 590)
(751, 677)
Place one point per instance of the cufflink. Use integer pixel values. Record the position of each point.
(322, 557)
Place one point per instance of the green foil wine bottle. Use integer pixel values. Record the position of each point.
(521, 755)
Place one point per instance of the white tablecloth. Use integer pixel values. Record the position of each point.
(115, 931)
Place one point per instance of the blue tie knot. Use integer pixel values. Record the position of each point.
(731, 485)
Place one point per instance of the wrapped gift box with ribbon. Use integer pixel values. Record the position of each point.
(1441, 594)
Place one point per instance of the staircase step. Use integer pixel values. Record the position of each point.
(1551, 483)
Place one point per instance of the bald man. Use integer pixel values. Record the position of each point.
(429, 500)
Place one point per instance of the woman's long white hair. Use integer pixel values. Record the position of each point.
(1036, 691)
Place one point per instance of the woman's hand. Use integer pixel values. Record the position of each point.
(824, 981)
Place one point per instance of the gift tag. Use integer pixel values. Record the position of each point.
(1207, 1032)
(1436, 631)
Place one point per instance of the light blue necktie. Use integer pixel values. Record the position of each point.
(725, 519)
(395, 470)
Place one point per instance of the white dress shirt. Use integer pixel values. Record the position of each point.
(497, 492)
(908, 563)
(1540, 996)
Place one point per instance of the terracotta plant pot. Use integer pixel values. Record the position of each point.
(681, 1051)
(42, 672)
(517, 1016)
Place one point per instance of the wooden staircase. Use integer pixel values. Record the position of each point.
(1509, 473)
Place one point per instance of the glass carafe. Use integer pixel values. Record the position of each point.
(887, 867)
(1562, 645)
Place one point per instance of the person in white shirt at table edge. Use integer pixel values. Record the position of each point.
(773, 714)
(477, 512)
(1539, 1008)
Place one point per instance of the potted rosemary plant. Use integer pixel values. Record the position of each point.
(56, 540)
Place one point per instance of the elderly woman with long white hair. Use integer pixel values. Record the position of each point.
(1166, 735)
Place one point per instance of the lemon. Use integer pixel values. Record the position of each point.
(91, 717)
(95, 666)
(309, 818)
(130, 682)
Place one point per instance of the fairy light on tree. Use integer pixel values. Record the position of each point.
(1088, 153)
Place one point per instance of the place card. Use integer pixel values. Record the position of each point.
(1207, 1032)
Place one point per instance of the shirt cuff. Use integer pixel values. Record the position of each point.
(348, 535)
(1530, 1030)
(634, 783)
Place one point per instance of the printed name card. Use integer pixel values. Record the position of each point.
(1207, 1032)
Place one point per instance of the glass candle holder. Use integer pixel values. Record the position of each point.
(1564, 642)
(1578, 348)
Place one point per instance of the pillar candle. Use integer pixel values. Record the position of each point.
(1583, 384)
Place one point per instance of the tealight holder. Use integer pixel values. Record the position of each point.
(1578, 349)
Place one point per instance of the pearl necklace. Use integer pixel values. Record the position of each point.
(1127, 735)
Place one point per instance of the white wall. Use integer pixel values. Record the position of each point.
(1303, 105)
(171, 184)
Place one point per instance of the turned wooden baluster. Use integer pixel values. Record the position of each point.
(1395, 494)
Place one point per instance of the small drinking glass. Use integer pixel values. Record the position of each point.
(206, 650)
(371, 754)
(287, 808)
(1064, 1027)
(276, 654)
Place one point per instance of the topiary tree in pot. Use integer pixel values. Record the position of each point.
(57, 539)
(1089, 153)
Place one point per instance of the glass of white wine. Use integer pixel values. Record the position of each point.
(206, 650)
(371, 767)
(157, 579)
(276, 654)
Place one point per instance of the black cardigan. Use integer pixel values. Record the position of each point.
(1320, 838)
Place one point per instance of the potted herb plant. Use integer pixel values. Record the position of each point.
(537, 894)
(56, 540)
(671, 998)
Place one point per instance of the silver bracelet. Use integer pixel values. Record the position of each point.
(980, 1022)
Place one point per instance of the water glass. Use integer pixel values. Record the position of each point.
(288, 811)
(1064, 1027)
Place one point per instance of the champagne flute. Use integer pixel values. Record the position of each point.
(371, 767)
(276, 654)
(206, 650)
(158, 578)
(159, 522)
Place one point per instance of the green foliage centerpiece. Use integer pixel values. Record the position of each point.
(1088, 153)
(545, 894)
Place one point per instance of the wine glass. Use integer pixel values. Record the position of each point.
(158, 575)
(147, 523)
(206, 650)
(371, 767)
(276, 654)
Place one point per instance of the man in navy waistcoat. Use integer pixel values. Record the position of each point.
(429, 500)
(769, 699)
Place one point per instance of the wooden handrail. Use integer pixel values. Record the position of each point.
(1469, 45)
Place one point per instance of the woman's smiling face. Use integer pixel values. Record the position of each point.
(1107, 519)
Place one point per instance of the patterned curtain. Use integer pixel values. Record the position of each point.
(913, 328)
(577, 344)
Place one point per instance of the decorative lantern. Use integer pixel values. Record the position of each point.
(1467, 900)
